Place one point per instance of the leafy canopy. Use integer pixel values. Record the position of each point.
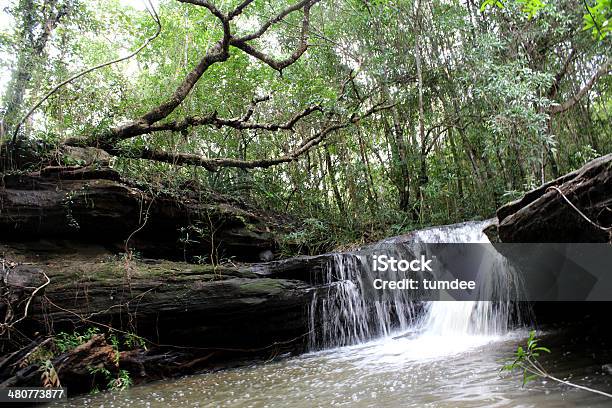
(596, 18)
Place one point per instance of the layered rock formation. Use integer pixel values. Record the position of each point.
(552, 212)
(94, 204)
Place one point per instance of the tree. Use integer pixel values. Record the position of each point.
(485, 104)
(36, 22)
(153, 120)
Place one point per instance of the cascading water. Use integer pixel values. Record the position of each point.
(449, 356)
(345, 315)
(487, 318)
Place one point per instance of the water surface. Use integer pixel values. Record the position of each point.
(408, 371)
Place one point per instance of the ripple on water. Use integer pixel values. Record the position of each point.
(425, 371)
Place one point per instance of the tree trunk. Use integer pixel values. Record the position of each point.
(33, 42)
(332, 179)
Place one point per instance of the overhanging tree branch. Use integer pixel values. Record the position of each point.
(207, 4)
(276, 19)
(215, 164)
(152, 121)
(217, 53)
(239, 9)
(56, 88)
(569, 103)
(241, 123)
(278, 65)
(212, 119)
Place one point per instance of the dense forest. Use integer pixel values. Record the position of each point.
(358, 119)
(193, 185)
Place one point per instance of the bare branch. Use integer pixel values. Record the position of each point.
(276, 19)
(279, 65)
(239, 9)
(214, 164)
(251, 108)
(241, 123)
(217, 163)
(8, 325)
(207, 4)
(568, 104)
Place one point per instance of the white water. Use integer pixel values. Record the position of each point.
(345, 316)
(471, 322)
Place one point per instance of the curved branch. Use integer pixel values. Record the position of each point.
(236, 123)
(239, 9)
(6, 326)
(207, 4)
(217, 53)
(568, 104)
(240, 123)
(276, 19)
(537, 369)
(279, 65)
(153, 14)
(215, 164)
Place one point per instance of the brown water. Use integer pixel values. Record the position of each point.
(408, 371)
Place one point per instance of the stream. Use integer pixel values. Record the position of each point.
(419, 371)
(383, 355)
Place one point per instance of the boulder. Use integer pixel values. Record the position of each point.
(576, 207)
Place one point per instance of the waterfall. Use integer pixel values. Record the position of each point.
(472, 317)
(344, 316)
(346, 313)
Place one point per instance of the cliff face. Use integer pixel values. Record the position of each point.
(65, 267)
(185, 312)
(167, 302)
(95, 205)
(552, 212)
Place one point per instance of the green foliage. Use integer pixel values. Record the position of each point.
(133, 341)
(68, 341)
(121, 379)
(118, 382)
(489, 80)
(491, 3)
(314, 237)
(597, 19)
(525, 358)
(531, 7)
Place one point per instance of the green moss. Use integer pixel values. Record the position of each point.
(263, 285)
(114, 271)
